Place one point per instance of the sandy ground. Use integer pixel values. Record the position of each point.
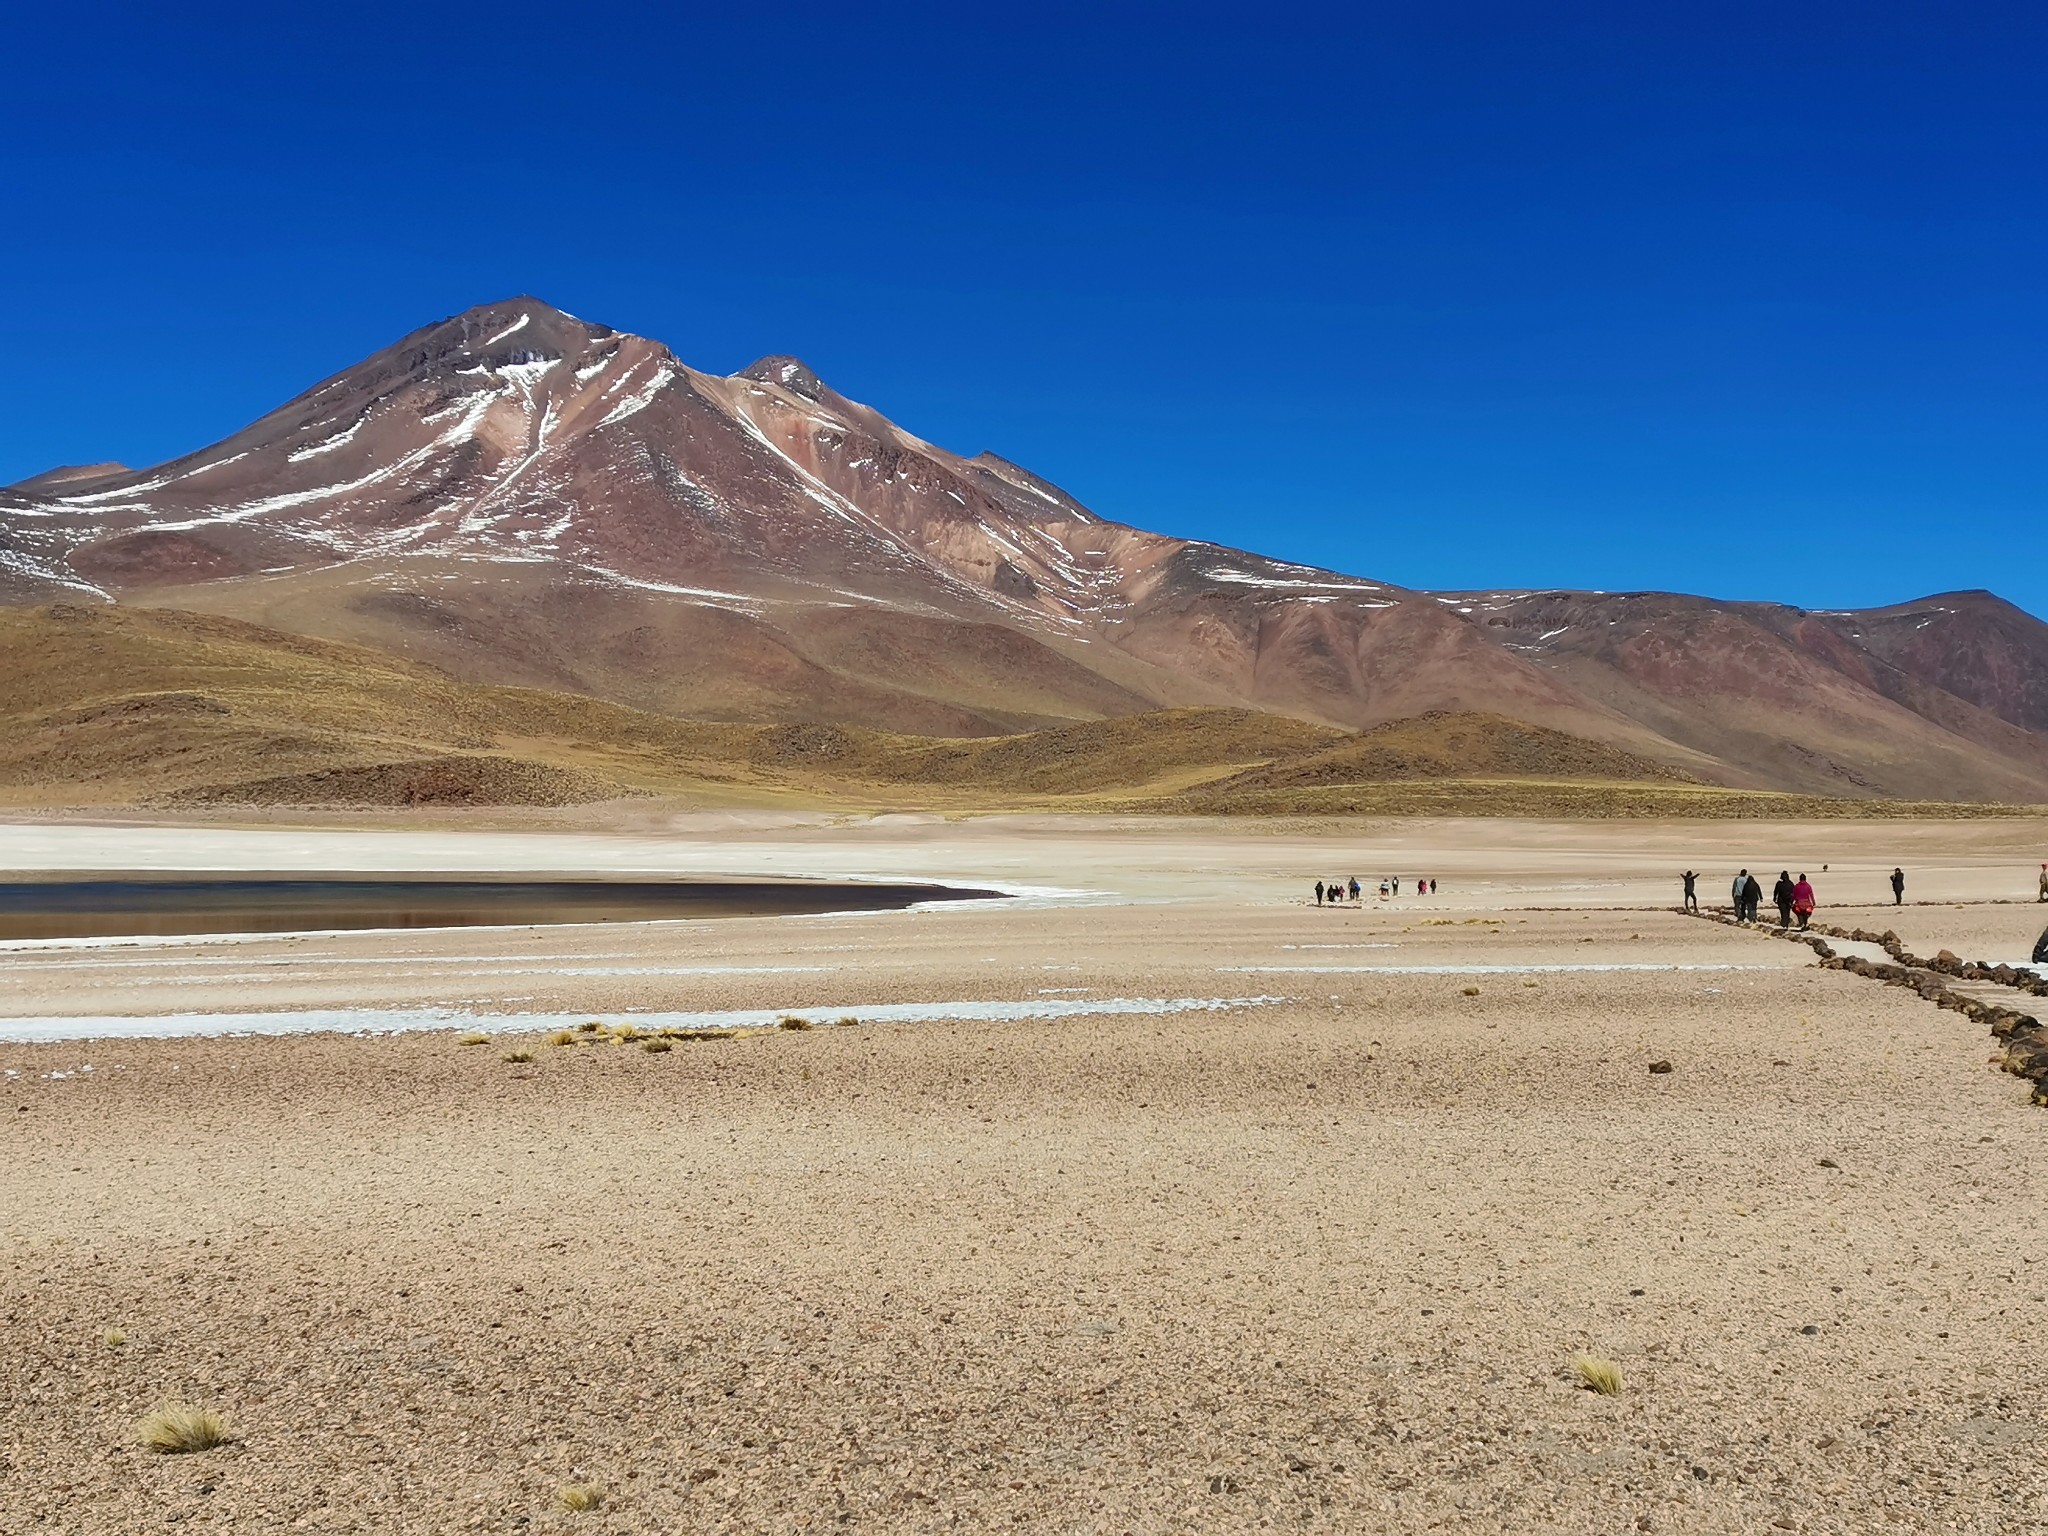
(1320, 1263)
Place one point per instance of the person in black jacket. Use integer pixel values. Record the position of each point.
(1692, 897)
(1898, 887)
(1781, 896)
(1752, 898)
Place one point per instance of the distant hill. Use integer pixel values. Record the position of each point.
(516, 498)
(108, 707)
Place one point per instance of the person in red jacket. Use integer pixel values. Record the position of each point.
(1802, 900)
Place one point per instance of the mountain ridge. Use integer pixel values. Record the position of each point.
(517, 496)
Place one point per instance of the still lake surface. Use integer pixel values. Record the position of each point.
(186, 905)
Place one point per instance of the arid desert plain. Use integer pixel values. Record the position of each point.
(1152, 1198)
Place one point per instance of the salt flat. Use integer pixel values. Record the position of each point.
(1321, 1262)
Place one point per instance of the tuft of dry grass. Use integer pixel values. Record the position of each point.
(656, 1047)
(1603, 1376)
(519, 1056)
(625, 1032)
(849, 1022)
(791, 1021)
(175, 1428)
(1470, 991)
(589, 1027)
(562, 1037)
(114, 1338)
(474, 1037)
(579, 1498)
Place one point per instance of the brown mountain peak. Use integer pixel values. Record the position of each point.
(791, 373)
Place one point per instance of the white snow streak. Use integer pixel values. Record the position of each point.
(641, 398)
(511, 330)
(328, 445)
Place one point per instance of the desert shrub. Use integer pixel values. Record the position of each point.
(474, 1037)
(656, 1047)
(1603, 1376)
(175, 1428)
(791, 1021)
(579, 1497)
(1470, 991)
(519, 1056)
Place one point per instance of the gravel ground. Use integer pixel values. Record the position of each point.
(1323, 1264)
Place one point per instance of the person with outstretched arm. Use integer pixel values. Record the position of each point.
(1898, 887)
(1692, 895)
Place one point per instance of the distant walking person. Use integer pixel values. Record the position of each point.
(1397, 885)
(1319, 893)
(1802, 900)
(1357, 890)
(1898, 887)
(1692, 895)
(1741, 883)
(1752, 897)
(2044, 882)
(1781, 898)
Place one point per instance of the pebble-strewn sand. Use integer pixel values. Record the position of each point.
(1320, 1264)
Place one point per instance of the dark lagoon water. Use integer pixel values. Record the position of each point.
(140, 906)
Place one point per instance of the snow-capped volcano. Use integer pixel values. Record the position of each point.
(520, 496)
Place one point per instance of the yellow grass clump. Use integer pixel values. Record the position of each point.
(474, 1037)
(114, 1338)
(175, 1428)
(1603, 1376)
(791, 1021)
(657, 1046)
(1470, 991)
(589, 1027)
(578, 1498)
(519, 1056)
(562, 1037)
(625, 1032)
(849, 1022)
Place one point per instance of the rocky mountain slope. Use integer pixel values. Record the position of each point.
(518, 497)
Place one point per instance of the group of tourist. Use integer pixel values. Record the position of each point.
(1337, 890)
(1794, 899)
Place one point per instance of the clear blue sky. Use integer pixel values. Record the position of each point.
(1750, 300)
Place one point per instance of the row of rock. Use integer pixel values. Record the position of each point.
(2024, 1036)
